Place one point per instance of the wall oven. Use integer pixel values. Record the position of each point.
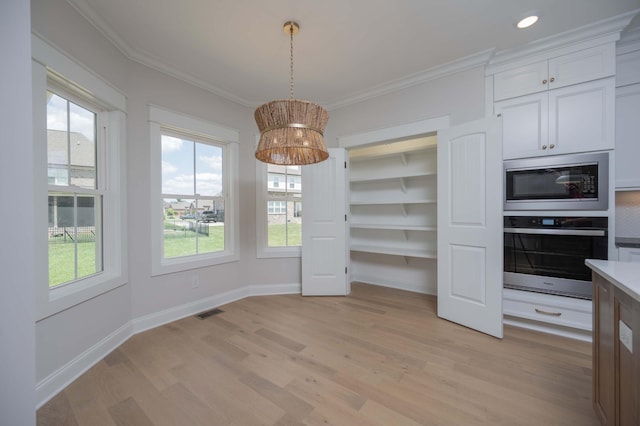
(547, 254)
(560, 182)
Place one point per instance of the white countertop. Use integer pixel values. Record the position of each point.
(624, 275)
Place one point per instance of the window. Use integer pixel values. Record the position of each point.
(192, 182)
(75, 195)
(79, 134)
(193, 170)
(280, 220)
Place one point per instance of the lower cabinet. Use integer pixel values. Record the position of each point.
(565, 316)
(616, 354)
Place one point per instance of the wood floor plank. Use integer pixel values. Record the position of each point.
(378, 357)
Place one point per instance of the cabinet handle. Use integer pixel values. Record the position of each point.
(551, 314)
(552, 79)
(544, 147)
(544, 81)
(552, 146)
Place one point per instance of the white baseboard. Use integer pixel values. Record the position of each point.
(571, 333)
(48, 387)
(408, 286)
(175, 313)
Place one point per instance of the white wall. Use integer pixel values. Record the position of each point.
(17, 303)
(99, 323)
(79, 334)
(461, 95)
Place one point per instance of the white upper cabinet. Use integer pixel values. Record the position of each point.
(628, 137)
(578, 118)
(574, 68)
(562, 105)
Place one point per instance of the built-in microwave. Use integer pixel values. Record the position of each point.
(559, 182)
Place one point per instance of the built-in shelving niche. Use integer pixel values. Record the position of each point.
(393, 203)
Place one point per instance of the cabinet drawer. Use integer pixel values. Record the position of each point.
(559, 310)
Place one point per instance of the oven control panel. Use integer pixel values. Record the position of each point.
(556, 222)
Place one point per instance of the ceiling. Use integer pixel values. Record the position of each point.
(346, 50)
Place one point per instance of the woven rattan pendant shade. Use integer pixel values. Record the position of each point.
(291, 130)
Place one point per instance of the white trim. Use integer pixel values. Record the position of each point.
(557, 330)
(45, 53)
(179, 121)
(175, 313)
(162, 118)
(48, 387)
(387, 134)
(439, 71)
(47, 58)
(602, 32)
(397, 284)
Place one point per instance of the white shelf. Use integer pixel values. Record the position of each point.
(391, 202)
(401, 155)
(396, 251)
(399, 176)
(393, 227)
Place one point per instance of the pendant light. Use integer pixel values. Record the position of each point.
(291, 130)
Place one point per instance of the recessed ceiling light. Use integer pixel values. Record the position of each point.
(527, 22)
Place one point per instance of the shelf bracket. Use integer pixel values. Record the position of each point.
(403, 185)
(406, 260)
(404, 209)
(406, 234)
(403, 156)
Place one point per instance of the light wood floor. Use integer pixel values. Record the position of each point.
(379, 356)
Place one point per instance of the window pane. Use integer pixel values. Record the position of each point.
(284, 225)
(82, 146)
(74, 242)
(178, 224)
(57, 140)
(210, 226)
(177, 166)
(208, 170)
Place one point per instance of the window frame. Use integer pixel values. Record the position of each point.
(262, 214)
(52, 68)
(160, 120)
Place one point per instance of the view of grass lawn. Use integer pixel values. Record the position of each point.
(178, 241)
(278, 235)
(61, 261)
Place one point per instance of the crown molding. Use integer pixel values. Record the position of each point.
(146, 59)
(629, 42)
(453, 67)
(607, 30)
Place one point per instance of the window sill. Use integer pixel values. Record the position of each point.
(169, 266)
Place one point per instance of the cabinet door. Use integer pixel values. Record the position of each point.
(520, 81)
(582, 117)
(629, 254)
(470, 254)
(603, 350)
(627, 137)
(324, 228)
(524, 125)
(582, 66)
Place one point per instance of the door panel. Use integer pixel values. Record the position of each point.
(470, 262)
(324, 228)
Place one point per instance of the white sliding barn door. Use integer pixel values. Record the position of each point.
(324, 227)
(470, 241)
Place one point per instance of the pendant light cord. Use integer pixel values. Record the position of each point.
(291, 61)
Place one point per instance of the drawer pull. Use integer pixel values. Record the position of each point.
(551, 314)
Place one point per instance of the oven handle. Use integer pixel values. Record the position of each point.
(578, 232)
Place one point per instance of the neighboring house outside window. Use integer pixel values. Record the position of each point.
(195, 186)
(79, 149)
(280, 220)
(75, 194)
